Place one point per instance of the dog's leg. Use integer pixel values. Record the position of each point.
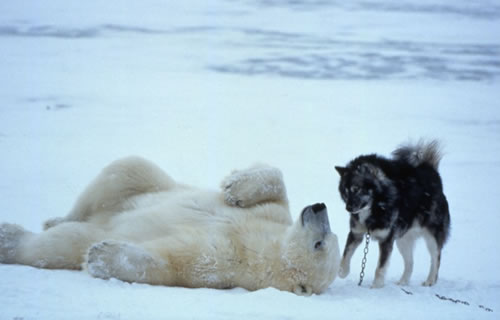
(261, 183)
(352, 243)
(435, 253)
(385, 250)
(406, 244)
(127, 262)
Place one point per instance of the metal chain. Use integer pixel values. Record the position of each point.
(440, 297)
(363, 262)
(457, 301)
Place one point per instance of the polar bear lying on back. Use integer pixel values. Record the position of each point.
(135, 223)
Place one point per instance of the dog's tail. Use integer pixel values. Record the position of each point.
(428, 152)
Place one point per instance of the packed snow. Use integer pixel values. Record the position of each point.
(205, 87)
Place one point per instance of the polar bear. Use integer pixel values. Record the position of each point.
(136, 224)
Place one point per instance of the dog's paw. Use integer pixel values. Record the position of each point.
(52, 223)
(10, 236)
(428, 283)
(377, 284)
(344, 270)
(403, 282)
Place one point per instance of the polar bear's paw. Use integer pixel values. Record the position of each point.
(302, 290)
(114, 259)
(237, 189)
(52, 223)
(10, 236)
(100, 258)
(257, 184)
(229, 188)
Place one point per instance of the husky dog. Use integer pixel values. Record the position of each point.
(398, 199)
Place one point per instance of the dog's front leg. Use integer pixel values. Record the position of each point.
(385, 250)
(353, 241)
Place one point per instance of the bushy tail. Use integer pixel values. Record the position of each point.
(419, 153)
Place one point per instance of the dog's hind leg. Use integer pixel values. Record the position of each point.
(111, 190)
(385, 250)
(435, 253)
(406, 244)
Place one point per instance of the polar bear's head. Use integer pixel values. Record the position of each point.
(311, 252)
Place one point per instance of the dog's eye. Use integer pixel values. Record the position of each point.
(354, 189)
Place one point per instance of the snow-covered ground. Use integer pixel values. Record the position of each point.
(203, 87)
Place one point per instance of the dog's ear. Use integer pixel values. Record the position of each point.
(341, 170)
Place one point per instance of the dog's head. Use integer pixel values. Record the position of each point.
(358, 185)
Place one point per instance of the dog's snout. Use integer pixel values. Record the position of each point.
(348, 207)
(318, 207)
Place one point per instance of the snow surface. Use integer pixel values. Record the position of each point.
(204, 87)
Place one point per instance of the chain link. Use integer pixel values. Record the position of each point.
(363, 262)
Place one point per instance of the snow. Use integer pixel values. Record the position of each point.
(204, 88)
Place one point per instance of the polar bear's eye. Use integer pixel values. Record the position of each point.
(318, 245)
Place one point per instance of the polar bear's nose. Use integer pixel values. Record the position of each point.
(318, 207)
(316, 216)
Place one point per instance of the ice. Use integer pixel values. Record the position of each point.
(202, 88)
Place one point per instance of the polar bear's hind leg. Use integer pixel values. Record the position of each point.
(114, 186)
(61, 247)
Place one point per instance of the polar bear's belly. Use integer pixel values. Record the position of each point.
(162, 214)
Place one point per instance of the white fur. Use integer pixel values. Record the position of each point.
(432, 246)
(135, 223)
(364, 213)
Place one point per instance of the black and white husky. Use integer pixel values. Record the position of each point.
(398, 199)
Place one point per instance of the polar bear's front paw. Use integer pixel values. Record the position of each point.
(10, 236)
(302, 290)
(52, 223)
(236, 190)
(252, 186)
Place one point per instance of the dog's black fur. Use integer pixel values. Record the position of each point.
(390, 197)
